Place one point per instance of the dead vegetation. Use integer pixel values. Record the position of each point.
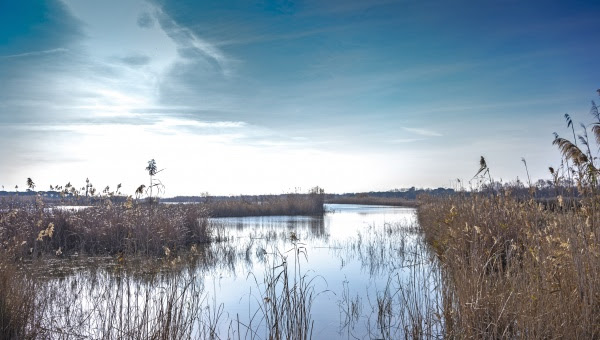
(127, 228)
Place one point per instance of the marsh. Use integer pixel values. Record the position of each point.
(356, 272)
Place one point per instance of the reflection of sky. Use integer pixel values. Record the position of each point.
(338, 225)
(334, 257)
(268, 96)
(350, 252)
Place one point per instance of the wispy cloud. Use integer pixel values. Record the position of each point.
(189, 43)
(259, 38)
(135, 59)
(201, 124)
(337, 7)
(158, 123)
(405, 140)
(35, 53)
(423, 132)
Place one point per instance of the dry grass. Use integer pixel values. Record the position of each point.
(97, 306)
(285, 298)
(372, 200)
(30, 308)
(517, 267)
(127, 228)
(513, 269)
(17, 303)
(283, 205)
(126, 308)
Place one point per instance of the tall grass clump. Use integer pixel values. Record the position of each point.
(100, 305)
(127, 228)
(30, 309)
(285, 298)
(17, 303)
(373, 200)
(516, 267)
(310, 204)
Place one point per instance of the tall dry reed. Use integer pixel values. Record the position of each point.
(127, 228)
(283, 205)
(17, 302)
(514, 269)
(518, 267)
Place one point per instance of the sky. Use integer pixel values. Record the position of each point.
(255, 97)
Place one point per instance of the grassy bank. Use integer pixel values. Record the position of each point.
(165, 299)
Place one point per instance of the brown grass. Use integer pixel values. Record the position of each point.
(127, 228)
(17, 303)
(513, 269)
(371, 200)
(170, 306)
(282, 205)
(286, 297)
(517, 267)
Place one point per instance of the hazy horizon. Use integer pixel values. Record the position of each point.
(270, 96)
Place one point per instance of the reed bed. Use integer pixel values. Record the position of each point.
(372, 200)
(164, 300)
(517, 266)
(282, 205)
(514, 269)
(17, 303)
(103, 305)
(127, 228)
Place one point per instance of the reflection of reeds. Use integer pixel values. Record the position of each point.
(409, 304)
(100, 306)
(286, 298)
(350, 308)
(161, 299)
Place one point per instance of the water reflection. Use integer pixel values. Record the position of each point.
(364, 270)
(264, 225)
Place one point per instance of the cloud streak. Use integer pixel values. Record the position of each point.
(188, 43)
(423, 132)
(35, 53)
(405, 140)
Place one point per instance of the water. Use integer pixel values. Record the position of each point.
(367, 268)
(71, 207)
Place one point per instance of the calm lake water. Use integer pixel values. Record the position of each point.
(367, 268)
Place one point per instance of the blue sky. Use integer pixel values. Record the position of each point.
(249, 97)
